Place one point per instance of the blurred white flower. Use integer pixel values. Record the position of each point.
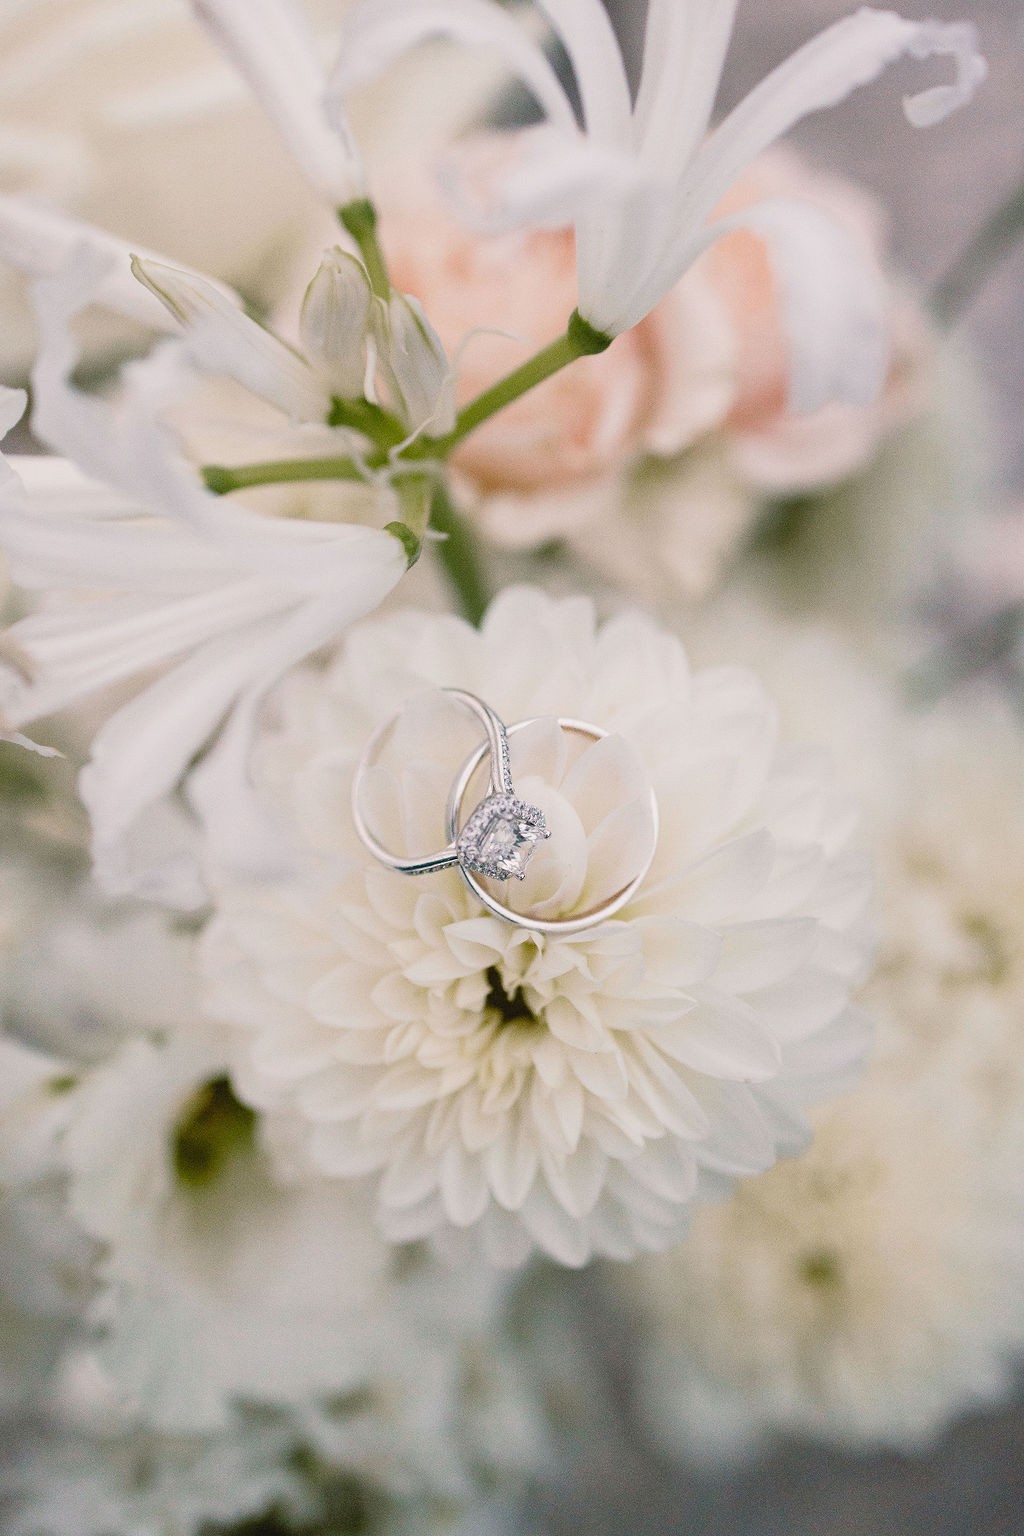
(44, 1257)
(157, 571)
(641, 180)
(871, 1290)
(68, 1483)
(122, 113)
(230, 1272)
(574, 1093)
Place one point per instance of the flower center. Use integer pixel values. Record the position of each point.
(513, 1008)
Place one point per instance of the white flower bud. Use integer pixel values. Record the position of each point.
(335, 320)
(414, 364)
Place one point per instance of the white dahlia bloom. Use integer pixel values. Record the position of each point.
(229, 1272)
(871, 1290)
(573, 1093)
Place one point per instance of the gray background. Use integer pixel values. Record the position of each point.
(938, 185)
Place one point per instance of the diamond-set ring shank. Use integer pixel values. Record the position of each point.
(500, 835)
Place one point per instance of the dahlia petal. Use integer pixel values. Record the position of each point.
(576, 1181)
(722, 1037)
(511, 1164)
(756, 955)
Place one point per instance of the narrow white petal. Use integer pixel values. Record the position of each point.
(821, 74)
(833, 302)
(685, 44)
(593, 49)
(271, 45)
(378, 31)
(557, 177)
(39, 242)
(222, 339)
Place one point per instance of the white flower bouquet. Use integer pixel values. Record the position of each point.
(481, 800)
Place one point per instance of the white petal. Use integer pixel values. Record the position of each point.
(271, 45)
(684, 49)
(378, 31)
(590, 42)
(40, 243)
(833, 302)
(222, 339)
(821, 74)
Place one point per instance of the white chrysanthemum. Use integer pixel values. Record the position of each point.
(44, 1277)
(229, 1273)
(139, 1483)
(573, 1093)
(872, 1289)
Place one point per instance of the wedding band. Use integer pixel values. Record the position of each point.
(499, 836)
(574, 922)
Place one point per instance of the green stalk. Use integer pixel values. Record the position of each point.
(580, 340)
(360, 219)
(222, 479)
(459, 556)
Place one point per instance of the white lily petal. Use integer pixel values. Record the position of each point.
(75, 652)
(335, 319)
(832, 298)
(415, 366)
(377, 32)
(555, 179)
(40, 243)
(222, 339)
(685, 43)
(589, 40)
(272, 47)
(125, 445)
(821, 74)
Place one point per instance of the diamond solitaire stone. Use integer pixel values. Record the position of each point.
(500, 837)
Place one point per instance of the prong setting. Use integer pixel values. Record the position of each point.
(501, 836)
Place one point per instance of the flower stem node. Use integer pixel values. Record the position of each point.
(410, 543)
(586, 340)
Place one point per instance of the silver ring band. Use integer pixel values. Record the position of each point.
(499, 836)
(501, 789)
(575, 922)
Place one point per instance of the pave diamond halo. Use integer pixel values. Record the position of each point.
(501, 837)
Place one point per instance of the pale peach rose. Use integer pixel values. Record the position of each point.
(495, 301)
(707, 369)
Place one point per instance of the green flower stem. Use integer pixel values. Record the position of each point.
(965, 279)
(383, 429)
(222, 479)
(360, 219)
(580, 340)
(459, 556)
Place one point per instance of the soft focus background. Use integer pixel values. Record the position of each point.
(938, 187)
